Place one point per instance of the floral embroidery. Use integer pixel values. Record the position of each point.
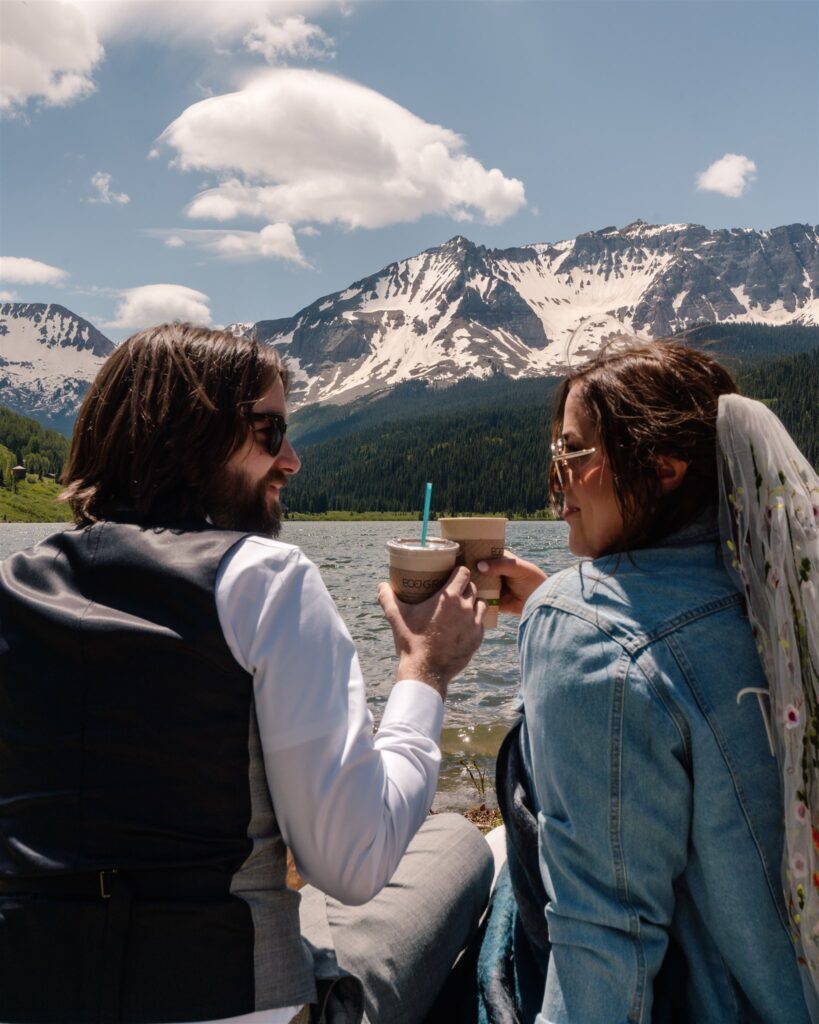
(769, 525)
(792, 715)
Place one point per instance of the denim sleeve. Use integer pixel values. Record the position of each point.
(613, 795)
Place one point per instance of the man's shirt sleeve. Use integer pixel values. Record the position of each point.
(347, 803)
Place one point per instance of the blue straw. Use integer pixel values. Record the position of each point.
(427, 500)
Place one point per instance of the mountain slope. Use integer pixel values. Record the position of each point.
(48, 358)
(462, 310)
(482, 446)
(736, 346)
(485, 450)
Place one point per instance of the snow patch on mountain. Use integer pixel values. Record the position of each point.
(48, 358)
(463, 310)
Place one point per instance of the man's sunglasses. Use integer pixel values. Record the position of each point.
(270, 430)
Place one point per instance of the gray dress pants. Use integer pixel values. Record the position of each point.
(399, 948)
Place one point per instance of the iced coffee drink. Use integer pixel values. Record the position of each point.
(418, 570)
(479, 538)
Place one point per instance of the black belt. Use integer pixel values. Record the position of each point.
(161, 883)
(110, 888)
(88, 885)
(116, 889)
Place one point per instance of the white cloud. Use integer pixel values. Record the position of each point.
(22, 270)
(298, 146)
(309, 231)
(290, 38)
(154, 154)
(102, 183)
(160, 303)
(48, 52)
(7, 296)
(176, 22)
(731, 175)
(275, 241)
(50, 48)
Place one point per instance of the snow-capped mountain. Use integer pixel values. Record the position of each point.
(463, 310)
(48, 358)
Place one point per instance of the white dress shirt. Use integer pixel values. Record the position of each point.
(347, 803)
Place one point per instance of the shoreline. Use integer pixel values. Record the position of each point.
(407, 517)
(8, 517)
(36, 501)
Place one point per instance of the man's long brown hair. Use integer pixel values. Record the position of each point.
(649, 400)
(162, 417)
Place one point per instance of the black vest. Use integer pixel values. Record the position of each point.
(124, 772)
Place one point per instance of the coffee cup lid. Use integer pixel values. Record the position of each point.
(414, 544)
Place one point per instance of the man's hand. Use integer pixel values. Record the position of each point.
(519, 579)
(435, 639)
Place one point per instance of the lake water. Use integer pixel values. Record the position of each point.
(352, 560)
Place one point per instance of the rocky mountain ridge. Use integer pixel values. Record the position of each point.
(461, 310)
(48, 358)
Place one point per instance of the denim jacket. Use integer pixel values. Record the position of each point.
(658, 799)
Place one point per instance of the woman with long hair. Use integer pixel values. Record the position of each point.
(645, 809)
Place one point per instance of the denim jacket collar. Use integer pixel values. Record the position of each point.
(701, 530)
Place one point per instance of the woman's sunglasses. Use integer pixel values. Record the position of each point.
(271, 430)
(561, 458)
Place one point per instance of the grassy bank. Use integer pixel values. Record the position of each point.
(33, 501)
(346, 517)
(350, 517)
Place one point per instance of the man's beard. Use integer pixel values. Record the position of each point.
(236, 503)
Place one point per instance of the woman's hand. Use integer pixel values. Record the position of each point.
(436, 639)
(519, 579)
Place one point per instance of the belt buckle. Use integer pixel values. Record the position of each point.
(104, 895)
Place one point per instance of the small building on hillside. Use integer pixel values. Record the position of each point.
(18, 472)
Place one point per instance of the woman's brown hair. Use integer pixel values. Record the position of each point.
(162, 417)
(645, 401)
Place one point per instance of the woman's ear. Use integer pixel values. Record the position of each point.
(670, 472)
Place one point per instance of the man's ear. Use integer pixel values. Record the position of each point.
(670, 472)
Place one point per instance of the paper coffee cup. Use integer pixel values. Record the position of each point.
(417, 571)
(479, 538)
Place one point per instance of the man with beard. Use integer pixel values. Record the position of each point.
(180, 701)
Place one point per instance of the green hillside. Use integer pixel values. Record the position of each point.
(43, 452)
(411, 400)
(33, 501)
(483, 444)
(491, 459)
(790, 386)
(34, 446)
(740, 346)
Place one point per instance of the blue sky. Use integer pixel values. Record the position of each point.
(272, 153)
